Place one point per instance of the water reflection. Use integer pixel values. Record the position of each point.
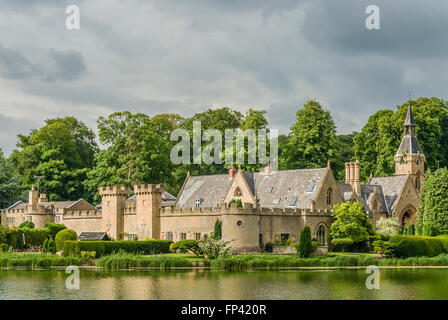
(304, 284)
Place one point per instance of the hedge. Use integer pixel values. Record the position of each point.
(416, 246)
(54, 228)
(64, 235)
(14, 237)
(108, 247)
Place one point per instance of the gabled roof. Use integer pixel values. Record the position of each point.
(391, 188)
(18, 205)
(283, 187)
(366, 195)
(165, 197)
(409, 121)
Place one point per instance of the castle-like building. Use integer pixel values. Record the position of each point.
(275, 205)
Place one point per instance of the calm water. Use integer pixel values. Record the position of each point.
(329, 284)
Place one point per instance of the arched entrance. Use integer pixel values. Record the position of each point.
(321, 234)
(409, 216)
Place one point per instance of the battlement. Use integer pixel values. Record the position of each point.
(142, 189)
(113, 191)
(82, 214)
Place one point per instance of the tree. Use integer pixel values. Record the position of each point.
(305, 245)
(9, 183)
(378, 141)
(311, 140)
(62, 152)
(136, 152)
(64, 235)
(433, 210)
(351, 222)
(387, 227)
(27, 224)
(217, 232)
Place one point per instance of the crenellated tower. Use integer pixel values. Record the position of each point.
(148, 206)
(112, 202)
(409, 159)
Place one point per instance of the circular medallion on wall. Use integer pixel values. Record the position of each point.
(239, 223)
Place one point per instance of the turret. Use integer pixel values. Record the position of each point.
(148, 206)
(112, 202)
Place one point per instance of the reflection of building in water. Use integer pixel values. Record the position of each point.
(275, 205)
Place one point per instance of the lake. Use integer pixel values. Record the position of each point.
(408, 283)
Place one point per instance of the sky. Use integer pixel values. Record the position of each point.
(186, 56)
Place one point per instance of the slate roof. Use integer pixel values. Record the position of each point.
(93, 236)
(409, 145)
(346, 190)
(210, 189)
(366, 195)
(286, 185)
(165, 197)
(409, 121)
(391, 188)
(47, 205)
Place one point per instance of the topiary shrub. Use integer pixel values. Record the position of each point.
(54, 228)
(49, 246)
(217, 232)
(27, 224)
(64, 235)
(185, 246)
(305, 245)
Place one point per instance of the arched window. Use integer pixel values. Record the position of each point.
(321, 235)
(417, 182)
(375, 205)
(329, 196)
(237, 192)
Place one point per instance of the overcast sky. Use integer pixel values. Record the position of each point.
(188, 55)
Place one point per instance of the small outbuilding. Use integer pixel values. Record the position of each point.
(93, 236)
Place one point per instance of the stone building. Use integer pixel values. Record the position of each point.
(254, 208)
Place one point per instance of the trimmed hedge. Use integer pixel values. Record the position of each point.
(64, 235)
(14, 237)
(108, 247)
(54, 228)
(416, 246)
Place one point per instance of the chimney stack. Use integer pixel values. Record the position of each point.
(267, 170)
(352, 175)
(43, 198)
(232, 172)
(32, 197)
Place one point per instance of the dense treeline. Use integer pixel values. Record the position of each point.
(135, 148)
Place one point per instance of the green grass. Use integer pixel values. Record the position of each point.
(39, 260)
(126, 261)
(272, 262)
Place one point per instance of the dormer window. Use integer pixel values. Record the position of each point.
(311, 186)
(197, 202)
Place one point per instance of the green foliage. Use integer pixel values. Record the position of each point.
(9, 183)
(351, 222)
(185, 246)
(36, 261)
(239, 203)
(64, 235)
(416, 246)
(214, 248)
(125, 260)
(136, 153)
(4, 247)
(387, 227)
(27, 224)
(269, 247)
(20, 238)
(273, 262)
(305, 245)
(108, 247)
(49, 246)
(433, 210)
(62, 151)
(87, 256)
(378, 141)
(311, 140)
(342, 243)
(54, 228)
(217, 231)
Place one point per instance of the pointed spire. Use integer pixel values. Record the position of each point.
(409, 121)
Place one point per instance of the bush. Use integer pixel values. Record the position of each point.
(49, 246)
(214, 249)
(342, 243)
(64, 235)
(416, 246)
(269, 247)
(217, 232)
(184, 246)
(108, 247)
(305, 245)
(27, 224)
(4, 247)
(125, 260)
(86, 256)
(54, 228)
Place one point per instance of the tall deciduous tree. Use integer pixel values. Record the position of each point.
(9, 183)
(311, 141)
(433, 209)
(378, 141)
(62, 152)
